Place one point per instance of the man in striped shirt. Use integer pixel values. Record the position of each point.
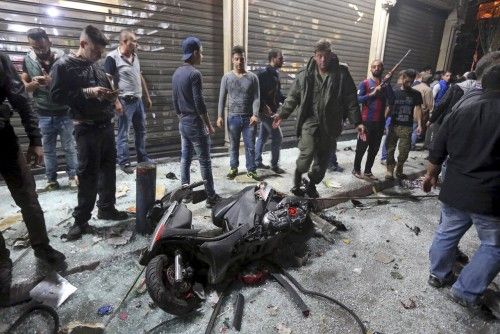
(374, 98)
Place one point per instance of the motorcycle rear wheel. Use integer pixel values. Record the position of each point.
(162, 292)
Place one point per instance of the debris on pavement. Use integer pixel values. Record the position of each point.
(53, 290)
(105, 310)
(384, 258)
(9, 221)
(414, 229)
(283, 329)
(411, 184)
(337, 223)
(409, 306)
(272, 310)
(322, 224)
(160, 192)
(22, 242)
(396, 275)
(131, 209)
(141, 289)
(332, 184)
(171, 176)
(121, 190)
(357, 204)
(123, 315)
(213, 298)
(346, 241)
(357, 270)
(120, 240)
(76, 327)
(238, 311)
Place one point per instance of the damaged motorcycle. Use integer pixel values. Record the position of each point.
(254, 224)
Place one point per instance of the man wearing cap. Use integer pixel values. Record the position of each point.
(194, 125)
(123, 65)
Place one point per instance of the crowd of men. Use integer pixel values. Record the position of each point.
(77, 98)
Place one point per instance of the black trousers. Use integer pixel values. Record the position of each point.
(22, 187)
(95, 145)
(375, 132)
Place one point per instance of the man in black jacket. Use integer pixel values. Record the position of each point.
(17, 175)
(270, 99)
(470, 193)
(78, 81)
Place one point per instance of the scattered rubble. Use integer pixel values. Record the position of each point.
(81, 328)
(171, 176)
(384, 258)
(332, 184)
(121, 190)
(105, 310)
(414, 229)
(283, 329)
(9, 221)
(410, 305)
(396, 275)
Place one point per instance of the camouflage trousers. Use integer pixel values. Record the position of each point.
(403, 135)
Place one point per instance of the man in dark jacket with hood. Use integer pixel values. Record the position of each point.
(79, 82)
(322, 93)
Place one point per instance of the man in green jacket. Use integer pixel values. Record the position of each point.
(322, 93)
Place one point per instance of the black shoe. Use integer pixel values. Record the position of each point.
(127, 168)
(278, 170)
(211, 201)
(76, 231)
(111, 214)
(438, 283)
(477, 308)
(461, 257)
(262, 166)
(311, 190)
(297, 191)
(49, 254)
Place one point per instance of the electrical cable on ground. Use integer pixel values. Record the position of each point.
(318, 294)
(39, 307)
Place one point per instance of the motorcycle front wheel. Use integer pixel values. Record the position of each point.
(162, 291)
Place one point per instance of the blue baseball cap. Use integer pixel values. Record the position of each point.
(189, 45)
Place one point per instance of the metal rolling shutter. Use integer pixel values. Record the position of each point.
(295, 26)
(160, 27)
(415, 26)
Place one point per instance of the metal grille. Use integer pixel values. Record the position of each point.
(414, 26)
(295, 26)
(160, 27)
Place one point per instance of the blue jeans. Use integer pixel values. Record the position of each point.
(241, 125)
(195, 139)
(484, 266)
(384, 146)
(266, 128)
(414, 136)
(133, 114)
(51, 127)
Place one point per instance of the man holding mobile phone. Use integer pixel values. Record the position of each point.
(78, 81)
(53, 119)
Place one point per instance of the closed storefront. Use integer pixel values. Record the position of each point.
(160, 27)
(417, 26)
(295, 26)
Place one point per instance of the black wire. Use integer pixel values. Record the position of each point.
(40, 307)
(318, 294)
